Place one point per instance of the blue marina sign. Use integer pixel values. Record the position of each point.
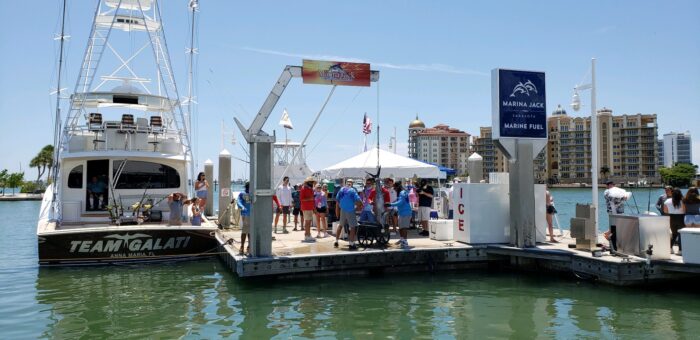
(519, 103)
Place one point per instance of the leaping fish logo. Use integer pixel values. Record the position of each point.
(336, 72)
(524, 88)
(126, 237)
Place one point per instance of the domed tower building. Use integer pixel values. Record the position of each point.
(414, 129)
(554, 143)
(441, 145)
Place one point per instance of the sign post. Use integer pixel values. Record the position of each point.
(519, 125)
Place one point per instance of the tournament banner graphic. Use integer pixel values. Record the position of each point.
(522, 104)
(335, 73)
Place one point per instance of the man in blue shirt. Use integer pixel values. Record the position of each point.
(243, 203)
(348, 200)
(96, 193)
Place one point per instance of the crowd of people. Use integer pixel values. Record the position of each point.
(311, 205)
(682, 210)
(189, 210)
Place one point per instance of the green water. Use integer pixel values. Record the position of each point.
(565, 200)
(204, 300)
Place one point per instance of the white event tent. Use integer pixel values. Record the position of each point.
(393, 165)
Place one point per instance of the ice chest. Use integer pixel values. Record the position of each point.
(441, 230)
(690, 238)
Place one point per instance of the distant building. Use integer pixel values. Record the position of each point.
(628, 147)
(493, 159)
(677, 148)
(660, 147)
(441, 145)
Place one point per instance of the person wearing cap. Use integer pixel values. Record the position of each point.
(615, 198)
(347, 201)
(306, 195)
(403, 206)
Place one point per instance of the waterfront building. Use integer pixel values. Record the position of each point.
(628, 148)
(660, 147)
(495, 161)
(441, 145)
(677, 148)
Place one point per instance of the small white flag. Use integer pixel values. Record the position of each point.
(285, 121)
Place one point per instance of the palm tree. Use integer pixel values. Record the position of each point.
(42, 160)
(14, 180)
(3, 180)
(605, 171)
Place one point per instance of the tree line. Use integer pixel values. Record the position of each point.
(42, 161)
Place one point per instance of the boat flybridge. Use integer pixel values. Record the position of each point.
(290, 161)
(123, 149)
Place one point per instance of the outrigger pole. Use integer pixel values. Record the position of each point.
(55, 212)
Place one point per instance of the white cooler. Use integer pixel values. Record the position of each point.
(441, 230)
(690, 238)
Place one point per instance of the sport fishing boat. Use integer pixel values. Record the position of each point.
(123, 148)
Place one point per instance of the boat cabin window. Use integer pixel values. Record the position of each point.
(75, 178)
(141, 175)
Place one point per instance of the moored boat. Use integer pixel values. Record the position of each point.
(122, 151)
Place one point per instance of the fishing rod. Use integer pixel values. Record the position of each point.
(649, 199)
(635, 202)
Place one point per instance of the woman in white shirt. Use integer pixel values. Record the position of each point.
(676, 210)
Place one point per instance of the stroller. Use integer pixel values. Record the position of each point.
(374, 233)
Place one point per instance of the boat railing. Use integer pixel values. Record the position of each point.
(136, 135)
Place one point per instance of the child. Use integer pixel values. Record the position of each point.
(196, 212)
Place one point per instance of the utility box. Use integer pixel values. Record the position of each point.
(635, 234)
(690, 237)
(583, 227)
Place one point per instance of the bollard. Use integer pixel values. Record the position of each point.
(209, 173)
(224, 188)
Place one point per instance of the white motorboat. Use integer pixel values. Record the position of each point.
(123, 147)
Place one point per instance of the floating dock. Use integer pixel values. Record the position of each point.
(295, 259)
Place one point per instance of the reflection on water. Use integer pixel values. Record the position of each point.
(201, 300)
(204, 300)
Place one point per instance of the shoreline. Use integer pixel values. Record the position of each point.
(600, 186)
(21, 197)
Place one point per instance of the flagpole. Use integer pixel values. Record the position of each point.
(286, 147)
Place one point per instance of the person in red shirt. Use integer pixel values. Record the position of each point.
(306, 195)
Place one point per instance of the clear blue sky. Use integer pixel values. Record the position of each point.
(434, 57)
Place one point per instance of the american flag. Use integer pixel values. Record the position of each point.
(366, 125)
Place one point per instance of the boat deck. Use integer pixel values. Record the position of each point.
(107, 225)
(294, 258)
